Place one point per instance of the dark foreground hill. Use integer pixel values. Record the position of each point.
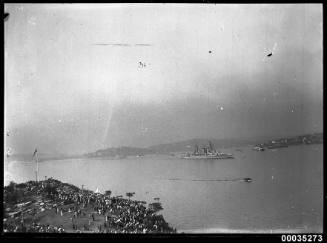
(50, 206)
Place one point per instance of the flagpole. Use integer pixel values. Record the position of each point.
(37, 165)
(37, 168)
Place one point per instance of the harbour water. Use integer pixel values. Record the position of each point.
(285, 195)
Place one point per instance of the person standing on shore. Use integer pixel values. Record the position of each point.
(22, 221)
(73, 223)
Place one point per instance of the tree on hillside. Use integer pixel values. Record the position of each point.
(107, 193)
(11, 187)
(50, 190)
(130, 194)
(155, 207)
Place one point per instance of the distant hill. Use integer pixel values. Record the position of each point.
(187, 145)
(119, 152)
(182, 146)
(315, 138)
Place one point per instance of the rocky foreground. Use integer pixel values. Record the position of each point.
(51, 206)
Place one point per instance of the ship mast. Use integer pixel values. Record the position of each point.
(211, 146)
(196, 151)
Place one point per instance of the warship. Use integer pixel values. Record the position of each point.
(207, 152)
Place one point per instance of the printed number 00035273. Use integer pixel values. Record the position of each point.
(302, 238)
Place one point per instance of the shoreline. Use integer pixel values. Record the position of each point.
(219, 230)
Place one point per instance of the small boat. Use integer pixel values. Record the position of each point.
(247, 179)
(258, 148)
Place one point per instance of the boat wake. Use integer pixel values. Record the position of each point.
(247, 179)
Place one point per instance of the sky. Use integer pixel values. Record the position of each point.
(82, 77)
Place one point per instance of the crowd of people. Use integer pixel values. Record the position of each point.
(113, 214)
(33, 228)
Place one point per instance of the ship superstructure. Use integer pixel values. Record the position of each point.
(207, 152)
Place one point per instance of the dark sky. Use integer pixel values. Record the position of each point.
(74, 82)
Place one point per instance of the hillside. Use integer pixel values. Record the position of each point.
(187, 145)
(119, 152)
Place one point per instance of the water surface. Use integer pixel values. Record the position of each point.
(286, 194)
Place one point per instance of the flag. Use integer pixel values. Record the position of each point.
(34, 153)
